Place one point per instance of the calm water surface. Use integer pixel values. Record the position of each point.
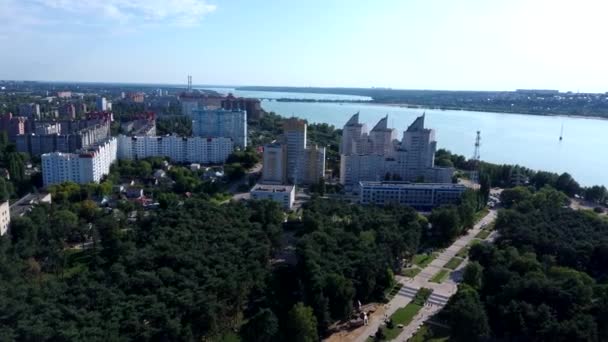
(528, 140)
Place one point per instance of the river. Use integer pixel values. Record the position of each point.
(528, 140)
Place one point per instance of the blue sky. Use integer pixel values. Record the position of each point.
(414, 44)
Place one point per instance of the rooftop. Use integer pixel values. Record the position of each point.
(25, 203)
(412, 185)
(272, 188)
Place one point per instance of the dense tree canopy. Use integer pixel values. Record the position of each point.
(178, 274)
(543, 280)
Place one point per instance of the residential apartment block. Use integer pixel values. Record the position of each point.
(379, 155)
(213, 123)
(179, 149)
(12, 125)
(69, 138)
(292, 160)
(85, 166)
(274, 170)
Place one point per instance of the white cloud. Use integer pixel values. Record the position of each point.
(178, 12)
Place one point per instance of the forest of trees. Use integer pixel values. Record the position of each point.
(177, 274)
(543, 280)
(194, 269)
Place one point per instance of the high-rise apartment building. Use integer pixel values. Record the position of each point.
(313, 168)
(30, 110)
(85, 166)
(179, 149)
(101, 104)
(294, 134)
(212, 123)
(274, 164)
(252, 106)
(67, 111)
(379, 156)
(293, 161)
(12, 125)
(71, 136)
(352, 135)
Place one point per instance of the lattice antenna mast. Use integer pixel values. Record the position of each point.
(189, 83)
(476, 155)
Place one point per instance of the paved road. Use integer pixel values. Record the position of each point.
(441, 292)
(233, 188)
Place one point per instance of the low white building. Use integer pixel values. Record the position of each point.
(423, 196)
(179, 149)
(282, 194)
(5, 217)
(85, 166)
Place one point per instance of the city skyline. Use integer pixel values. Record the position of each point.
(470, 45)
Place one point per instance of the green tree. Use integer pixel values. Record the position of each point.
(567, 184)
(467, 316)
(262, 327)
(4, 192)
(473, 275)
(302, 324)
(484, 189)
(340, 293)
(518, 194)
(445, 223)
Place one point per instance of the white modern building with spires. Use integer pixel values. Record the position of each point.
(379, 155)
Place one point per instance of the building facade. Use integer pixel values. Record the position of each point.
(30, 110)
(178, 149)
(67, 141)
(86, 166)
(282, 194)
(380, 156)
(292, 161)
(12, 125)
(101, 104)
(68, 111)
(313, 167)
(294, 135)
(251, 106)
(274, 171)
(5, 217)
(212, 123)
(422, 196)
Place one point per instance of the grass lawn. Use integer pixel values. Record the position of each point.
(481, 214)
(405, 314)
(463, 252)
(393, 291)
(229, 337)
(424, 259)
(430, 333)
(411, 272)
(483, 234)
(453, 263)
(474, 242)
(401, 316)
(440, 276)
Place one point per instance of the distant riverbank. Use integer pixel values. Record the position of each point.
(413, 106)
(528, 102)
(444, 108)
